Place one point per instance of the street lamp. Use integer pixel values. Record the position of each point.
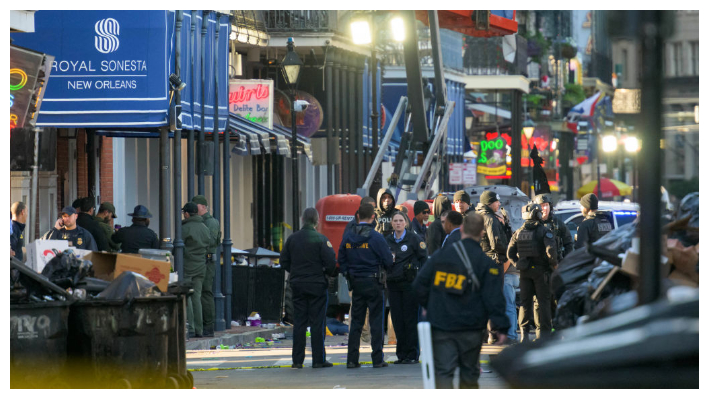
(610, 143)
(528, 129)
(290, 67)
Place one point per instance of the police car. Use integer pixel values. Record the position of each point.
(618, 213)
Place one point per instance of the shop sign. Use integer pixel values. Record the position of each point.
(455, 173)
(253, 100)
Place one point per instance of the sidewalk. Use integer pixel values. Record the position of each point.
(235, 336)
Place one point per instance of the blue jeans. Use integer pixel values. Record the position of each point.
(511, 282)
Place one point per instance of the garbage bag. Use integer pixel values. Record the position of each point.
(572, 270)
(93, 286)
(571, 306)
(129, 285)
(688, 220)
(65, 269)
(598, 274)
(620, 239)
(27, 286)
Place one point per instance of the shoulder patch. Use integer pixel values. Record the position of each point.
(329, 244)
(549, 234)
(422, 245)
(495, 271)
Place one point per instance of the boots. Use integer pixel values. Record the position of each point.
(524, 336)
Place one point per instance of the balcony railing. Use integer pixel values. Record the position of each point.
(301, 20)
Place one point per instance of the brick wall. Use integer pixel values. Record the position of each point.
(106, 169)
(62, 169)
(82, 168)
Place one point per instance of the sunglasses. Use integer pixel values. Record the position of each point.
(426, 212)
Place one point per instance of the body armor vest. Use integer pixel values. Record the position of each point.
(527, 246)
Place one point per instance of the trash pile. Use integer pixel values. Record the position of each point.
(586, 282)
(604, 338)
(67, 276)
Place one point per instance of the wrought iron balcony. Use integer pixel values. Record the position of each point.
(301, 20)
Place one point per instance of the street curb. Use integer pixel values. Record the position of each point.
(233, 339)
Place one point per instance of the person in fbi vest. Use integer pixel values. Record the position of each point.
(461, 288)
(365, 260)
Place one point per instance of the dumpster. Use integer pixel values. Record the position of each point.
(127, 344)
(38, 344)
(257, 289)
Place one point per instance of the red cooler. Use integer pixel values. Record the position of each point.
(335, 212)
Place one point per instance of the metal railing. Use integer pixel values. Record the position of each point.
(301, 20)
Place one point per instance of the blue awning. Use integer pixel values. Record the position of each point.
(111, 68)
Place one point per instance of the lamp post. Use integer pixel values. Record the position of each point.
(364, 31)
(528, 130)
(290, 67)
(632, 145)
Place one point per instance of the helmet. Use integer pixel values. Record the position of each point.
(532, 212)
(542, 198)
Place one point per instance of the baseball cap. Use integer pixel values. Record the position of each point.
(69, 210)
(108, 207)
(190, 208)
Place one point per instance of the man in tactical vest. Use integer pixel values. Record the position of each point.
(593, 226)
(564, 243)
(494, 241)
(533, 251)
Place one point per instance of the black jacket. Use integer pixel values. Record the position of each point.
(435, 233)
(544, 245)
(384, 216)
(494, 241)
(17, 239)
(473, 308)
(409, 256)
(591, 229)
(89, 223)
(135, 237)
(363, 252)
(308, 256)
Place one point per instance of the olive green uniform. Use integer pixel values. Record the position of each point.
(108, 230)
(197, 239)
(208, 311)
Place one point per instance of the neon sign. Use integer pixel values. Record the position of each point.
(23, 79)
(253, 100)
(495, 158)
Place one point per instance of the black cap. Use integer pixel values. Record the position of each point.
(589, 201)
(141, 212)
(190, 208)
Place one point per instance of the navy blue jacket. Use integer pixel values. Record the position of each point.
(17, 238)
(418, 228)
(451, 238)
(473, 308)
(363, 252)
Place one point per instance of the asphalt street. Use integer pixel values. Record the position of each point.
(268, 366)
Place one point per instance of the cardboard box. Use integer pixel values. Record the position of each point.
(40, 252)
(107, 266)
(631, 264)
